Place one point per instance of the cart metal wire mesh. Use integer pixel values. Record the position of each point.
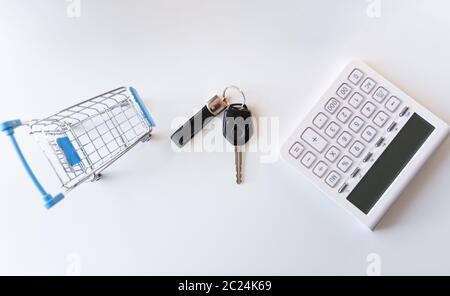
(83, 140)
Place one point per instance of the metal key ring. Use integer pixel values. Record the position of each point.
(237, 89)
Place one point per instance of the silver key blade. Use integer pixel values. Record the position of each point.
(238, 163)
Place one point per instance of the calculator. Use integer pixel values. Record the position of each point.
(364, 142)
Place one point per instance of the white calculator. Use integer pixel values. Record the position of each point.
(364, 142)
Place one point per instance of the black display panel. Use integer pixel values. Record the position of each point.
(393, 160)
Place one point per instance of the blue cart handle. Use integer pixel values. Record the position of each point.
(9, 127)
(141, 105)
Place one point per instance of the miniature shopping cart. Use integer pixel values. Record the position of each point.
(83, 140)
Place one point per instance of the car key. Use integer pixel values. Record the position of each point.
(186, 132)
(238, 129)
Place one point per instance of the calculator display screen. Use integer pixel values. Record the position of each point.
(393, 160)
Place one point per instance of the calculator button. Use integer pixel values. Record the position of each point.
(308, 159)
(356, 76)
(369, 133)
(320, 169)
(356, 124)
(320, 120)
(332, 154)
(380, 95)
(332, 105)
(368, 109)
(381, 119)
(344, 91)
(356, 100)
(355, 172)
(357, 149)
(344, 115)
(345, 164)
(343, 187)
(379, 142)
(392, 126)
(368, 157)
(332, 179)
(404, 111)
(315, 140)
(368, 85)
(296, 150)
(344, 139)
(332, 129)
(393, 103)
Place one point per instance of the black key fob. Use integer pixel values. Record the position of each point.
(186, 132)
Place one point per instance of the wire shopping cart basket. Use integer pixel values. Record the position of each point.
(83, 140)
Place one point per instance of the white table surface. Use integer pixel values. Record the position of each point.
(162, 212)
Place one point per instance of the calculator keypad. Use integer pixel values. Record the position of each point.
(356, 100)
(333, 154)
(393, 103)
(320, 169)
(332, 105)
(381, 119)
(344, 115)
(320, 120)
(368, 109)
(368, 134)
(332, 129)
(345, 164)
(357, 149)
(296, 150)
(308, 159)
(380, 94)
(333, 179)
(368, 85)
(315, 140)
(340, 139)
(356, 124)
(356, 76)
(344, 91)
(344, 139)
